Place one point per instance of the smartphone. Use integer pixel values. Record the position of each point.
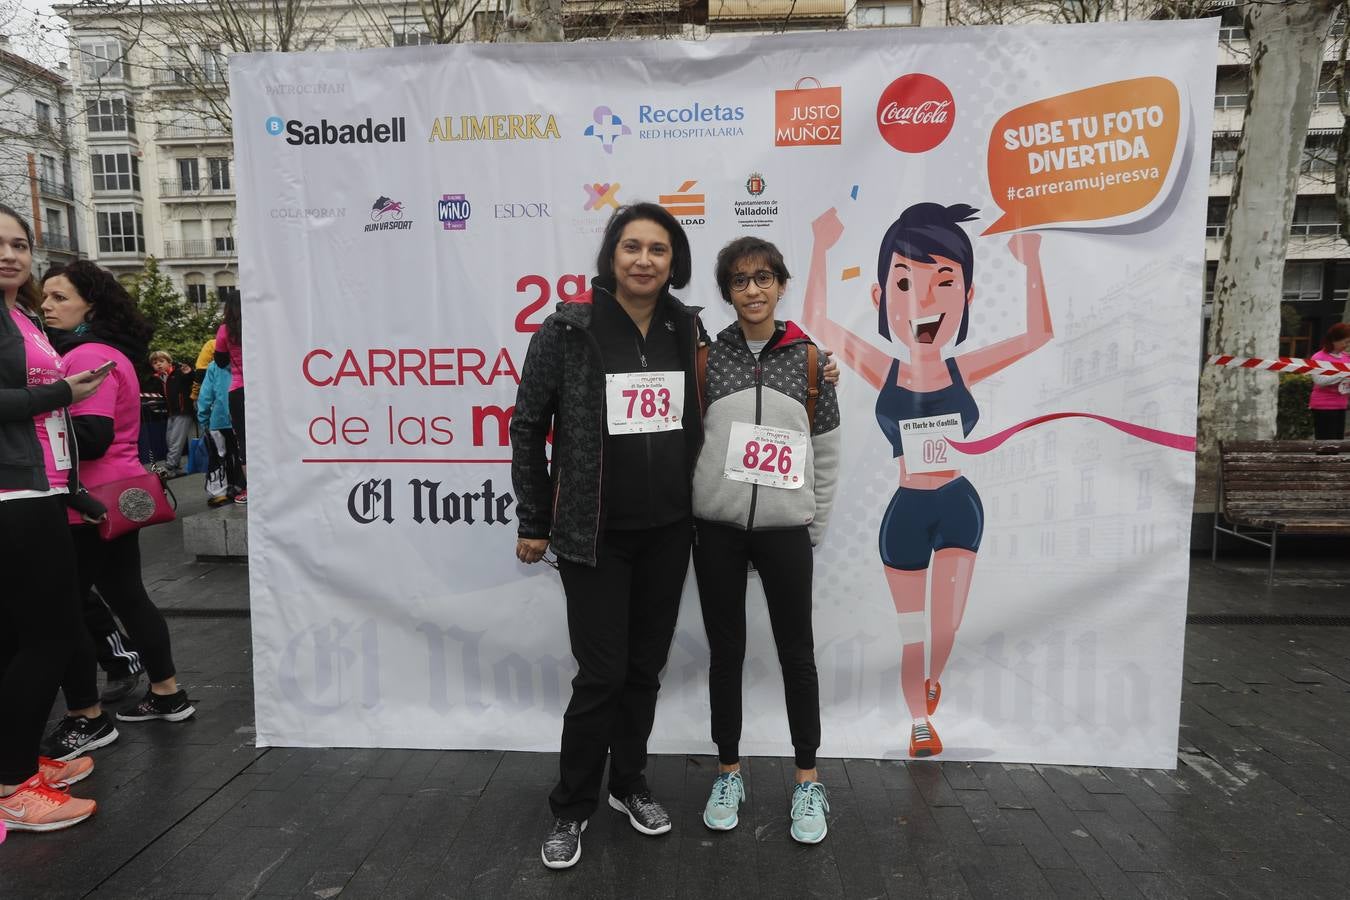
(105, 368)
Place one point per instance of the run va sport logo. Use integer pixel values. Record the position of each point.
(915, 113)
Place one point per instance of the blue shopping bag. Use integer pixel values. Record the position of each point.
(196, 459)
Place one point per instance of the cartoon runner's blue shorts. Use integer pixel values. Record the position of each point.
(919, 522)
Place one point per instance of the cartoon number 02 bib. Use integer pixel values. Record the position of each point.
(773, 457)
(926, 443)
(644, 402)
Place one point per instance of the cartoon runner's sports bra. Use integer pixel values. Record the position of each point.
(895, 404)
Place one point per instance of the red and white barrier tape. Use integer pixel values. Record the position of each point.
(1282, 364)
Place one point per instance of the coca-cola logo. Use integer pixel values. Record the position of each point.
(915, 113)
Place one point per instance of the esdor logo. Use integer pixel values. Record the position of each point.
(915, 113)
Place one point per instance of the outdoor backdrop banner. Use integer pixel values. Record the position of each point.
(408, 217)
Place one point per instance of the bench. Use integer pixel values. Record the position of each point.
(1270, 488)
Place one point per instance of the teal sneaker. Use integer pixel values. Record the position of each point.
(724, 804)
(809, 807)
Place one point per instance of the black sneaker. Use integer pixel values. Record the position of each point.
(170, 708)
(116, 689)
(76, 735)
(646, 815)
(562, 847)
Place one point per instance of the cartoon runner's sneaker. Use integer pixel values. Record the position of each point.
(923, 740)
(933, 692)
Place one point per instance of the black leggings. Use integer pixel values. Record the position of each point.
(114, 567)
(236, 398)
(1328, 424)
(39, 612)
(783, 559)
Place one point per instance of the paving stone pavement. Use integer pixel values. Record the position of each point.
(1258, 806)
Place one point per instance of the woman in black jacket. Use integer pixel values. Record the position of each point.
(614, 504)
(39, 608)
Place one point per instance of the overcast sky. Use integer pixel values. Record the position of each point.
(34, 31)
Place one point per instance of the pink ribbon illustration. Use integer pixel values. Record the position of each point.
(1152, 435)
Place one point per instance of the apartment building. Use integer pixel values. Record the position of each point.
(37, 176)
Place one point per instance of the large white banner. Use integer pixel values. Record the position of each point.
(409, 216)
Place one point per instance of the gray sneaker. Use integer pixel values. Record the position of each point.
(562, 847)
(645, 814)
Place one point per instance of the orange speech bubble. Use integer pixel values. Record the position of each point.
(1100, 153)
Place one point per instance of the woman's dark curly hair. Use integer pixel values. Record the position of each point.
(114, 315)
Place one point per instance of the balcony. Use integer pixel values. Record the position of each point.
(725, 10)
(52, 188)
(193, 131)
(189, 77)
(57, 243)
(175, 189)
(1230, 101)
(203, 248)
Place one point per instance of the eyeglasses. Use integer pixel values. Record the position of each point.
(764, 279)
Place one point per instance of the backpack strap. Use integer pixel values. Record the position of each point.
(701, 375)
(812, 389)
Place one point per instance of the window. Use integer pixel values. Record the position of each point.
(110, 115)
(121, 232)
(1319, 157)
(49, 169)
(1216, 221)
(1302, 281)
(1314, 216)
(213, 65)
(194, 284)
(42, 112)
(189, 176)
(1224, 159)
(412, 39)
(222, 236)
(116, 172)
(219, 168)
(873, 14)
(102, 58)
(55, 228)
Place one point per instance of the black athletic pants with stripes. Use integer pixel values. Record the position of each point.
(114, 567)
(783, 559)
(39, 613)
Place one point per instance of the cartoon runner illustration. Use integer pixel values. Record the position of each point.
(925, 271)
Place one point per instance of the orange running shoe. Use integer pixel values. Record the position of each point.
(59, 774)
(933, 690)
(37, 807)
(923, 740)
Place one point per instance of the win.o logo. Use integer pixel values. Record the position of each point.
(275, 125)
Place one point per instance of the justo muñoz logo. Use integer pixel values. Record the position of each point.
(915, 113)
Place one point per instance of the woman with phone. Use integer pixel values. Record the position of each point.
(95, 324)
(39, 609)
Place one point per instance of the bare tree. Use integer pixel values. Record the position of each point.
(1287, 39)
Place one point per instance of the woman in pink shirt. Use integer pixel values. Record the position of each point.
(39, 606)
(93, 320)
(1330, 393)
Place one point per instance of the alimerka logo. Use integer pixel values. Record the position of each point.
(512, 127)
(326, 132)
(915, 113)
(808, 116)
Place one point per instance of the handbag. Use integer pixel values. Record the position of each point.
(132, 503)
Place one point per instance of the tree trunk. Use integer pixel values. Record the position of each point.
(1286, 40)
(533, 21)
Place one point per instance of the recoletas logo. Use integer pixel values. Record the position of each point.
(325, 132)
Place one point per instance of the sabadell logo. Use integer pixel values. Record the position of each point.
(916, 112)
(326, 132)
